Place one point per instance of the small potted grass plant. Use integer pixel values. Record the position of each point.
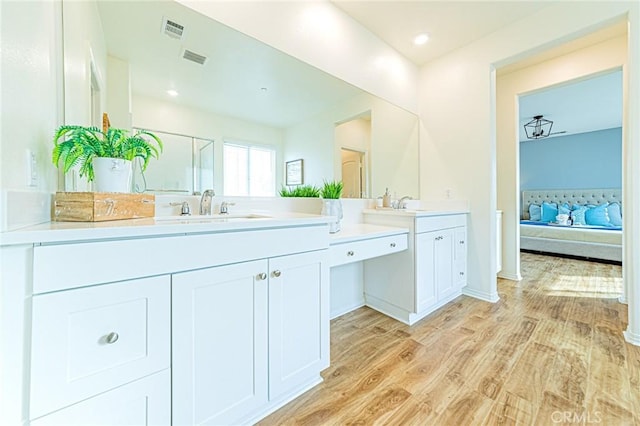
(331, 192)
(104, 156)
(308, 191)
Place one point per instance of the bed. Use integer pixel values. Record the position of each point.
(593, 242)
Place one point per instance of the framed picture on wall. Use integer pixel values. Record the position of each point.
(294, 172)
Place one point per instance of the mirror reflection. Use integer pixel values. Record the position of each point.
(213, 93)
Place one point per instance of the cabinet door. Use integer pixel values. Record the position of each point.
(445, 281)
(143, 402)
(298, 320)
(426, 295)
(219, 367)
(460, 257)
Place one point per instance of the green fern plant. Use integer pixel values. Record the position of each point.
(331, 190)
(80, 145)
(300, 191)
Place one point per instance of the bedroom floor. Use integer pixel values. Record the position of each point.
(550, 351)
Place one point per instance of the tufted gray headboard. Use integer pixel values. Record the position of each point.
(571, 196)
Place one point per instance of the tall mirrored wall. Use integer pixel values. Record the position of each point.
(228, 86)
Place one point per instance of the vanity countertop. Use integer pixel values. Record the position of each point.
(61, 232)
(415, 213)
(364, 231)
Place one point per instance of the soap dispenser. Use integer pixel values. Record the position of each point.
(386, 198)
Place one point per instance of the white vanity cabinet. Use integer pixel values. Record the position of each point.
(248, 335)
(411, 284)
(216, 324)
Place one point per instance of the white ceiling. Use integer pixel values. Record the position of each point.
(450, 24)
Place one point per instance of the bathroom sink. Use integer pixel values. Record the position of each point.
(211, 218)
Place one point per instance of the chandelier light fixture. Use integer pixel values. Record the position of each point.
(538, 127)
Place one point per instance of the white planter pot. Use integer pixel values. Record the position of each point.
(333, 208)
(112, 174)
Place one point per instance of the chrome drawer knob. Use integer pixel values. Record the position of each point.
(461, 273)
(111, 338)
(261, 276)
(392, 244)
(350, 253)
(276, 273)
(461, 242)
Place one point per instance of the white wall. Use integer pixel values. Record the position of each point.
(31, 108)
(457, 107)
(154, 114)
(578, 64)
(322, 35)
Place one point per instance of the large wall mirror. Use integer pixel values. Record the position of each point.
(190, 76)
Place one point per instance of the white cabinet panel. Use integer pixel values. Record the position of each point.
(90, 340)
(146, 401)
(219, 343)
(298, 320)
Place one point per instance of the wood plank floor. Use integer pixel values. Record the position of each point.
(549, 352)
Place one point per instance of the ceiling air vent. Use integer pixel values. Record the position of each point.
(194, 57)
(172, 29)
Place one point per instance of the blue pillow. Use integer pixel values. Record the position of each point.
(615, 214)
(598, 215)
(549, 212)
(534, 212)
(564, 208)
(578, 214)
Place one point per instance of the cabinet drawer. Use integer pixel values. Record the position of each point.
(90, 340)
(435, 223)
(366, 249)
(144, 402)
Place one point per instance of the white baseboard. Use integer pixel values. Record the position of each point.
(487, 297)
(631, 338)
(509, 276)
(623, 299)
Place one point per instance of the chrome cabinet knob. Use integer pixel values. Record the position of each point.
(261, 276)
(276, 273)
(461, 273)
(461, 241)
(350, 253)
(392, 244)
(111, 338)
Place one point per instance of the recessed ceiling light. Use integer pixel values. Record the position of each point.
(172, 92)
(264, 89)
(421, 39)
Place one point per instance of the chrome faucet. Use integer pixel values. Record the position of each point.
(184, 210)
(205, 201)
(402, 202)
(224, 207)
